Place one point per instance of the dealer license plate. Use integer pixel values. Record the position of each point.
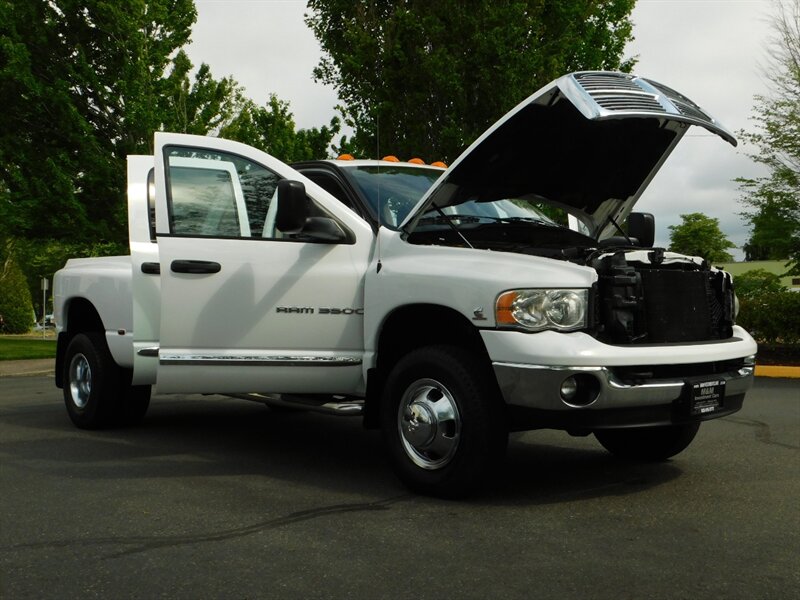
(707, 396)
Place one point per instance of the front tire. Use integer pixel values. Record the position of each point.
(648, 443)
(442, 421)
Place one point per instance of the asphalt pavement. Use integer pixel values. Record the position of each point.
(219, 498)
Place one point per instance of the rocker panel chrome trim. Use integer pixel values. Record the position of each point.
(258, 360)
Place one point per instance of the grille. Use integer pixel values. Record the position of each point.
(685, 106)
(635, 102)
(606, 81)
(691, 110)
(618, 93)
(648, 372)
(677, 306)
(654, 306)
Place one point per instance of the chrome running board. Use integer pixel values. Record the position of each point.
(330, 405)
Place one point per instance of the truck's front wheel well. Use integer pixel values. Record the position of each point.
(412, 327)
(80, 316)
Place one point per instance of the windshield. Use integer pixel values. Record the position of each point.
(392, 191)
(499, 211)
(505, 224)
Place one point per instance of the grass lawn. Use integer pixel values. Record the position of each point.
(20, 348)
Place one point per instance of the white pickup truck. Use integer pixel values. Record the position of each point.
(444, 306)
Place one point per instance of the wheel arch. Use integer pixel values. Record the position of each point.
(415, 326)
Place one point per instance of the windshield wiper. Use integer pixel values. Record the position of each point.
(528, 220)
(444, 218)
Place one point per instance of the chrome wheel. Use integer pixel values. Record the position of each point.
(429, 424)
(80, 380)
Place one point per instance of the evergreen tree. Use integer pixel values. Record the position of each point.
(16, 308)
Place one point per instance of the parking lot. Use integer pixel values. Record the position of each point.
(213, 498)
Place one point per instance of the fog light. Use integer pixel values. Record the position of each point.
(569, 389)
(580, 390)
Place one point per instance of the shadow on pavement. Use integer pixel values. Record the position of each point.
(197, 436)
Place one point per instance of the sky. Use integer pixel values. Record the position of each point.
(713, 51)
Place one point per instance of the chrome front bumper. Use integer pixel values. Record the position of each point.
(608, 400)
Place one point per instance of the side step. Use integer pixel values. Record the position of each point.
(330, 405)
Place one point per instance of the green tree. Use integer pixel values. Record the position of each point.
(772, 202)
(198, 106)
(16, 310)
(421, 78)
(774, 227)
(84, 83)
(272, 129)
(699, 235)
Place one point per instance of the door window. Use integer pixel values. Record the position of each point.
(216, 194)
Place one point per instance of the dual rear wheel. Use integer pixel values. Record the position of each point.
(97, 392)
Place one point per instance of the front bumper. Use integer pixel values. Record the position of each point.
(612, 398)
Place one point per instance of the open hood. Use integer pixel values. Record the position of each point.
(588, 142)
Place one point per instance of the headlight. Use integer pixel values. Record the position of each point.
(537, 310)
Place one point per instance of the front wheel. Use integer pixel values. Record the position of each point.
(647, 443)
(442, 421)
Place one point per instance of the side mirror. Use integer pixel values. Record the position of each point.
(292, 206)
(642, 226)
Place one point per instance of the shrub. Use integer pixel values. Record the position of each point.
(16, 308)
(756, 282)
(771, 316)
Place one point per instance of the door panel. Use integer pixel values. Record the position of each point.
(145, 269)
(256, 314)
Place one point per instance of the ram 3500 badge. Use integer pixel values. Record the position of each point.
(447, 307)
(309, 310)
